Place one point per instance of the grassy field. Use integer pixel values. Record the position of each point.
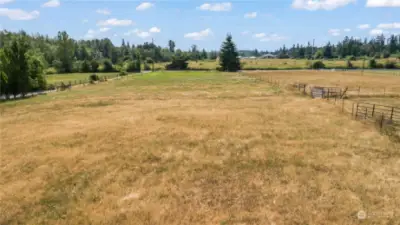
(370, 82)
(275, 64)
(192, 148)
(72, 77)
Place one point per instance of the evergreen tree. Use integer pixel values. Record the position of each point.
(229, 57)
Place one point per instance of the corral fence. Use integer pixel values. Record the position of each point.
(385, 115)
(386, 118)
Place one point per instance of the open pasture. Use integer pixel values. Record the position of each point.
(369, 83)
(193, 148)
(252, 64)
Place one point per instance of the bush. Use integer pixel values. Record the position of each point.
(149, 60)
(386, 54)
(123, 73)
(147, 66)
(372, 63)
(50, 70)
(132, 66)
(108, 66)
(94, 77)
(95, 65)
(379, 66)
(377, 56)
(179, 62)
(318, 65)
(51, 87)
(390, 65)
(351, 58)
(58, 65)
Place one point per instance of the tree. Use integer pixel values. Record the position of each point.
(171, 45)
(95, 65)
(229, 57)
(36, 73)
(86, 66)
(328, 51)
(21, 70)
(107, 66)
(203, 54)
(138, 60)
(65, 51)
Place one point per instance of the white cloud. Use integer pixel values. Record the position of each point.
(103, 11)
(320, 4)
(375, 32)
(250, 15)
(51, 4)
(259, 35)
(114, 22)
(155, 30)
(144, 6)
(199, 35)
(115, 35)
(273, 37)
(245, 32)
(334, 32)
(85, 21)
(5, 1)
(143, 34)
(216, 7)
(364, 26)
(139, 33)
(347, 30)
(104, 29)
(383, 3)
(389, 26)
(90, 34)
(19, 14)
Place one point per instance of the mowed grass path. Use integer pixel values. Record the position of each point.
(191, 148)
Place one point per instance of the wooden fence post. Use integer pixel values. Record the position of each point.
(359, 89)
(352, 109)
(373, 110)
(366, 113)
(356, 111)
(391, 114)
(328, 93)
(384, 91)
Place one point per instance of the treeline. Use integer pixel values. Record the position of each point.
(62, 54)
(349, 47)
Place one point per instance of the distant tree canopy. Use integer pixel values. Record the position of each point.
(229, 56)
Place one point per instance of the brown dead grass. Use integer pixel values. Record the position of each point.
(371, 83)
(239, 153)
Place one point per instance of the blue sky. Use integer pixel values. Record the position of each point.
(261, 24)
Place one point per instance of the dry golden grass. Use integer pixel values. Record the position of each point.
(278, 63)
(207, 149)
(370, 83)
